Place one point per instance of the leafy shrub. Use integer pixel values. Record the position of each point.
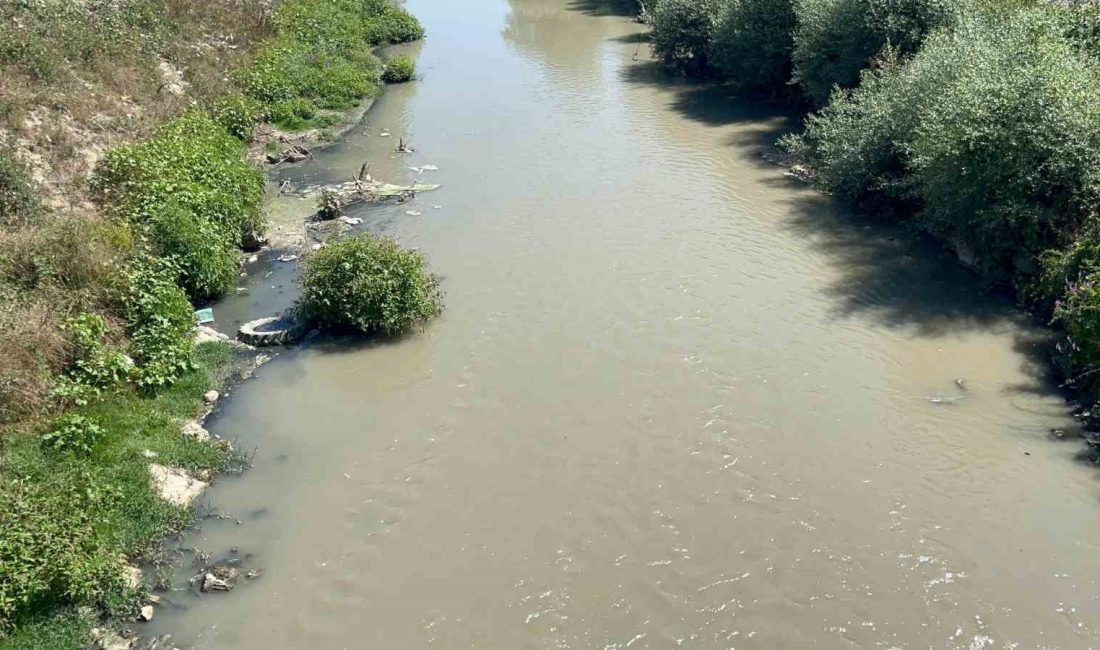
(399, 69)
(292, 114)
(859, 144)
(50, 549)
(683, 32)
(73, 434)
(836, 39)
(18, 203)
(323, 53)
(369, 284)
(753, 42)
(159, 320)
(1007, 155)
(205, 255)
(96, 366)
(328, 205)
(193, 161)
(237, 115)
(391, 24)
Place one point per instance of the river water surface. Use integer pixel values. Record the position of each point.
(677, 399)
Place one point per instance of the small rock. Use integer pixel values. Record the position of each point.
(133, 576)
(254, 574)
(222, 578)
(211, 582)
(204, 334)
(227, 572)
(211, 396)
(253, 241)
(155, 599)
(146, 613)
(110, 640)
(176, 485)
(192, 429)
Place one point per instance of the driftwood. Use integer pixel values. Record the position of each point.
(296, 153)
(364, 189)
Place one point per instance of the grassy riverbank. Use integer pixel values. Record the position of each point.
(125, 199)
(973, 120)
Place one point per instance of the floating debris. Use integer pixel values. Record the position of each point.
(204, 316)
(351, 221)
(413, 213)
(939, 399)
(294, 154)
(286, 258)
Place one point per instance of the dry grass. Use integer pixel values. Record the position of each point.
(48, 273)
(76, 79)
(65, 104)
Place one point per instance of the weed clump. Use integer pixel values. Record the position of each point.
(368, 284)
(51, 549)
(399, 69)
(19, 204)
(753, 43)
(321, 58)
(191, 192)
(683, 32)
(159, 320)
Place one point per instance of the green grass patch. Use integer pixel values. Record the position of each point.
(399, 69)
(66, 629)
(369, 284)
(70, 514)
(191, 189)
(322, 57)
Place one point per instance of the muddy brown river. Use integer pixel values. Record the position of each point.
(677, 399)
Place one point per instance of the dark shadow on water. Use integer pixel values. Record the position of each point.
(716, 104)
(893, 275)
(624, 8)
(890, 274)
(631, 39)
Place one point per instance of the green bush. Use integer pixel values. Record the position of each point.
(323, 54)
(205, 255)
(1007, 156)
(237, 114)
(399, 69)
(836, 39)
(753, 42)
(859, 144)
(18, 202)
(387, 23)
(160, 321)
(193, 161)
(683, 32)
(96, 366)
(369, 284)
(51, 551)
(73, 434)
(292, 114)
